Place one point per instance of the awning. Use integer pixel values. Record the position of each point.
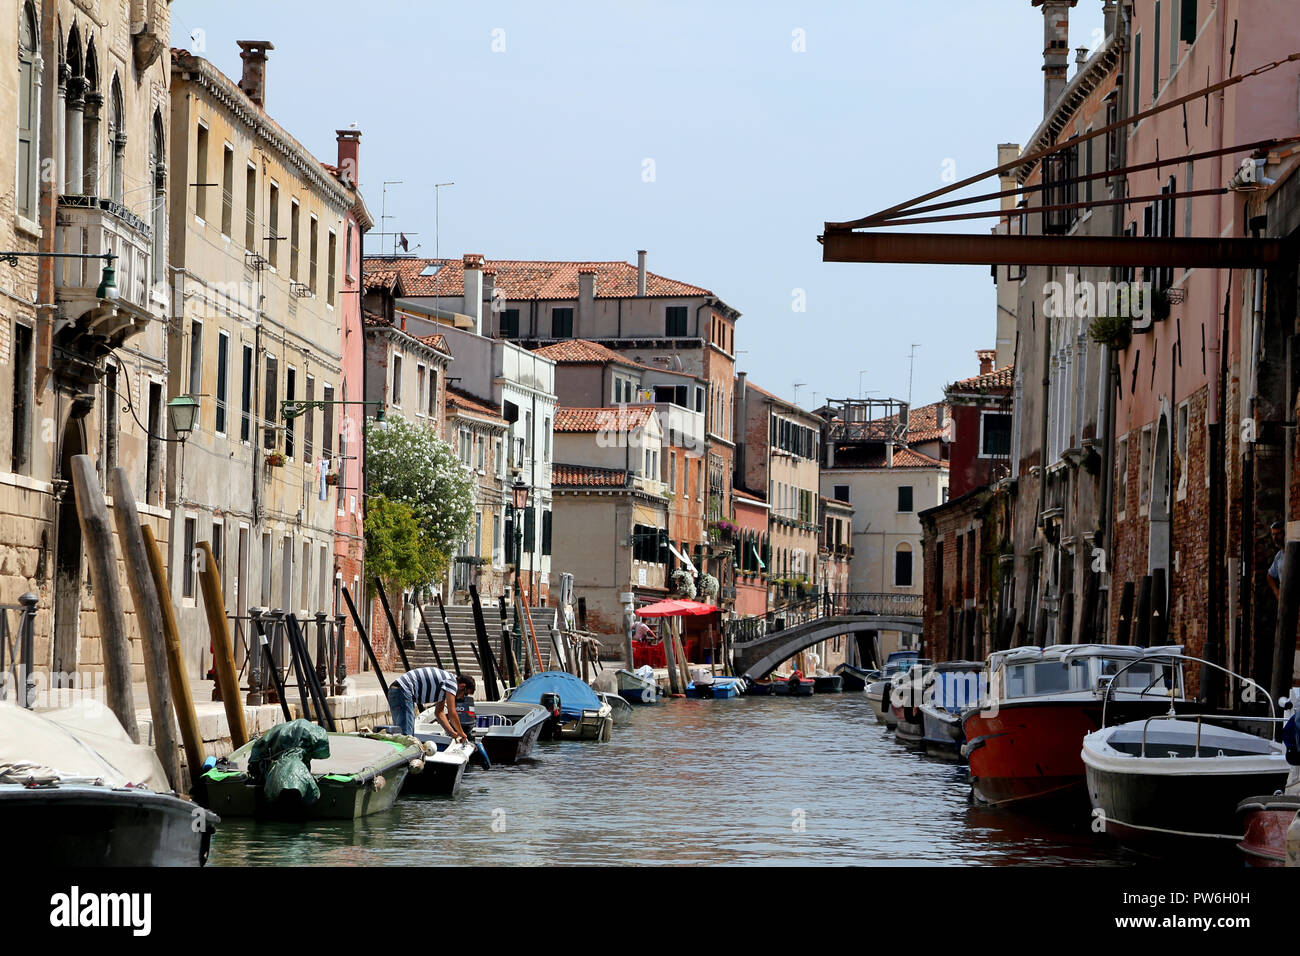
(682, 558)
(675, 607)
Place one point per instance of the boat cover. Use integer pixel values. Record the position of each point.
(575, 696)
(281, 759)
(76, 744)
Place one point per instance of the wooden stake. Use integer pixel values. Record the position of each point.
(223, 657)
(670, 654)
(680, 648)
(185, 713)
(148, 616)
(97, 534)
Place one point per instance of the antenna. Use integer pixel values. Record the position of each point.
(911, 365)
(437, 241)
(797, 386)
(383, 210)
(861, 372)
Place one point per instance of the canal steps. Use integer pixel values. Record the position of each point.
(460, 619)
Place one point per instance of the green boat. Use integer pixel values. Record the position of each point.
(302, 773)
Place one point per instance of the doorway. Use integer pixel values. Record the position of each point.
(68, 560)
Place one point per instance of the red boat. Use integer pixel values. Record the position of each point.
(1024, 741)
(1267, 820)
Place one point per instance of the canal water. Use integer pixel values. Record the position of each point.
(752, 780)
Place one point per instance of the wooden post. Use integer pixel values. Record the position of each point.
(674, 676)
(1124, 628)
(97, 533)
(148, 616)
(1142, 617)
(223, 658)
(185, 713)
(679, 647)
(1287, 607)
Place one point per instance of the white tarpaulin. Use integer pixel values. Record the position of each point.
(83, 742)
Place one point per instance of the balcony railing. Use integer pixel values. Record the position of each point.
(826, 605)
(88, 225)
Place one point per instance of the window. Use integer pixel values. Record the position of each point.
(196, 358)
(842, 493)
(153, 451)
(227, 191)
(1144, 469)
(995, 435)
(306, 577)
(1058, 190)
(546, 532)
(561, 323)
(528, 433)
(939, 600)
(290, 424)
(675, 321)
(1187, 22)
(1137, 75)
(546, 439)
(309, 424)
(431, 401)
(201, 173)
(347, 257)
(419, 390)
(295, 222)
(396, 391)
(218, 551)
(266, 568)
(250, 209)
(271, 411)
(187, 558)
(327, 422)
(1155, 56)
(496, 539)
(273, 225)
(530, 528)
(510, 324)
(329, 268)
(313, 249)
(24, 386)
(28, 113)
(246, 395)
(904, 498)
(1182, 425)
(111, 401)
(903, 566)
(1121, 476)
(223, 374)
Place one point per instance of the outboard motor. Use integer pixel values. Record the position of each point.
(552, 703)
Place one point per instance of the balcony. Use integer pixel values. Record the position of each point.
(88, 225)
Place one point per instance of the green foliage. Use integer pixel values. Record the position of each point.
(397, 550)
(1114, 331)
(407, 462)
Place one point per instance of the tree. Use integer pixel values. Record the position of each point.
(407, 462)
(397, 550)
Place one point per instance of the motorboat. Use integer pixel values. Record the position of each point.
(878, 688)
(445, 760)
(792, 685)
(955, 687)
(1024, 742)
(294, 773)
(639, 686)
(1266, 820)
(716, 688)
(508, 729)
(1170, 785)
(854, 678)
(619, 708)
(907, 691)
(824, 683)
(577, 713)
(76, 791)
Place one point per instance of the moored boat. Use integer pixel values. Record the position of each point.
(76, 791)
(577, 713)
(1024, 742)
(639, 686)
(330, 777)
(828, 683)
(907, 691)
(508, 730)
(1267, 819)
(445, 760)
(1172, 785)
(718, 688)
(957, 687)
(853, 678)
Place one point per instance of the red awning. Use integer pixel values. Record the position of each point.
(675, 608)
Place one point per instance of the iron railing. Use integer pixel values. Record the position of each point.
(861, 604)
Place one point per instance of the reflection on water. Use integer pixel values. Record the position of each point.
(751, 780)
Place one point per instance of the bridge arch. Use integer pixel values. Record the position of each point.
(757, 658)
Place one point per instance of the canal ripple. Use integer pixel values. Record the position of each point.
(751, 780)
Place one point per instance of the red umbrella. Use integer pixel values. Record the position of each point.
(675, 608)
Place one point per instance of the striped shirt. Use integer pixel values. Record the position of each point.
(426, 685)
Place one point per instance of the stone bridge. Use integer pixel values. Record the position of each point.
(760, 644)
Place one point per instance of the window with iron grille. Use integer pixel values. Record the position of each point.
(1059, 189)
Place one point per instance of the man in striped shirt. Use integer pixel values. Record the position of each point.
(429, 685)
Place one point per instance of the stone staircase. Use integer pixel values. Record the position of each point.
(460, 619)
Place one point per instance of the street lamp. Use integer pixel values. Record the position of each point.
(519, 496)
(182, 412)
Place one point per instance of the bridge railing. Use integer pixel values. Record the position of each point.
(745, 629)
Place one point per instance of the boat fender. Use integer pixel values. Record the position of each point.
(480, 756)
(379, 782)
(416, 765)
(209, 764)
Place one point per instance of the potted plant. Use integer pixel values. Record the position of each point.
(1112, 331)
(332, 478)
(708, 586)
(275, 459)
(683, 583)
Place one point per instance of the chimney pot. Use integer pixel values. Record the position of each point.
(349, 141)
(472, 264)
(253, 82)
(640, 272)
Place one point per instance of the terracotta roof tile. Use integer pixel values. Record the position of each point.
(582, 351)
(923, 422)
(996, 379)
(619, 418)
(911, 458)
(586, 476)
(435, 341)
(464, 402)
(529, 279)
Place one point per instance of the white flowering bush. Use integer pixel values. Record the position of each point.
(410, 463)
(709, 586)
(683, 583)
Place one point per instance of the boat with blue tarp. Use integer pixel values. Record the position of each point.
(577, 713)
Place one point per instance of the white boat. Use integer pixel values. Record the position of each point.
(75, 790)
(955, 686)
(445, 760)
(509, 729)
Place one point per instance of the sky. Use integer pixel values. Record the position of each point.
(719, 137)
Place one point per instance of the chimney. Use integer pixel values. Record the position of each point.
(640, 272)
(1109, 15)
(1056, 48)
(473, 307)
(586, 301)
(1080, 58)
(490, 296)
(986, 360)
(349, 142)
(253, 83)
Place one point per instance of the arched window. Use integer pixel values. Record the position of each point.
(29, 85)
(158, 170)
(116, 141)
(74, 120)
(903, 566)
(90, 181)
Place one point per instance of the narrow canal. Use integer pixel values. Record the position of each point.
(751, 780)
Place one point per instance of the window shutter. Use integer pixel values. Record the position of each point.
(546, 532)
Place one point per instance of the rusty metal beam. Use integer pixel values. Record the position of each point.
(847, 246)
